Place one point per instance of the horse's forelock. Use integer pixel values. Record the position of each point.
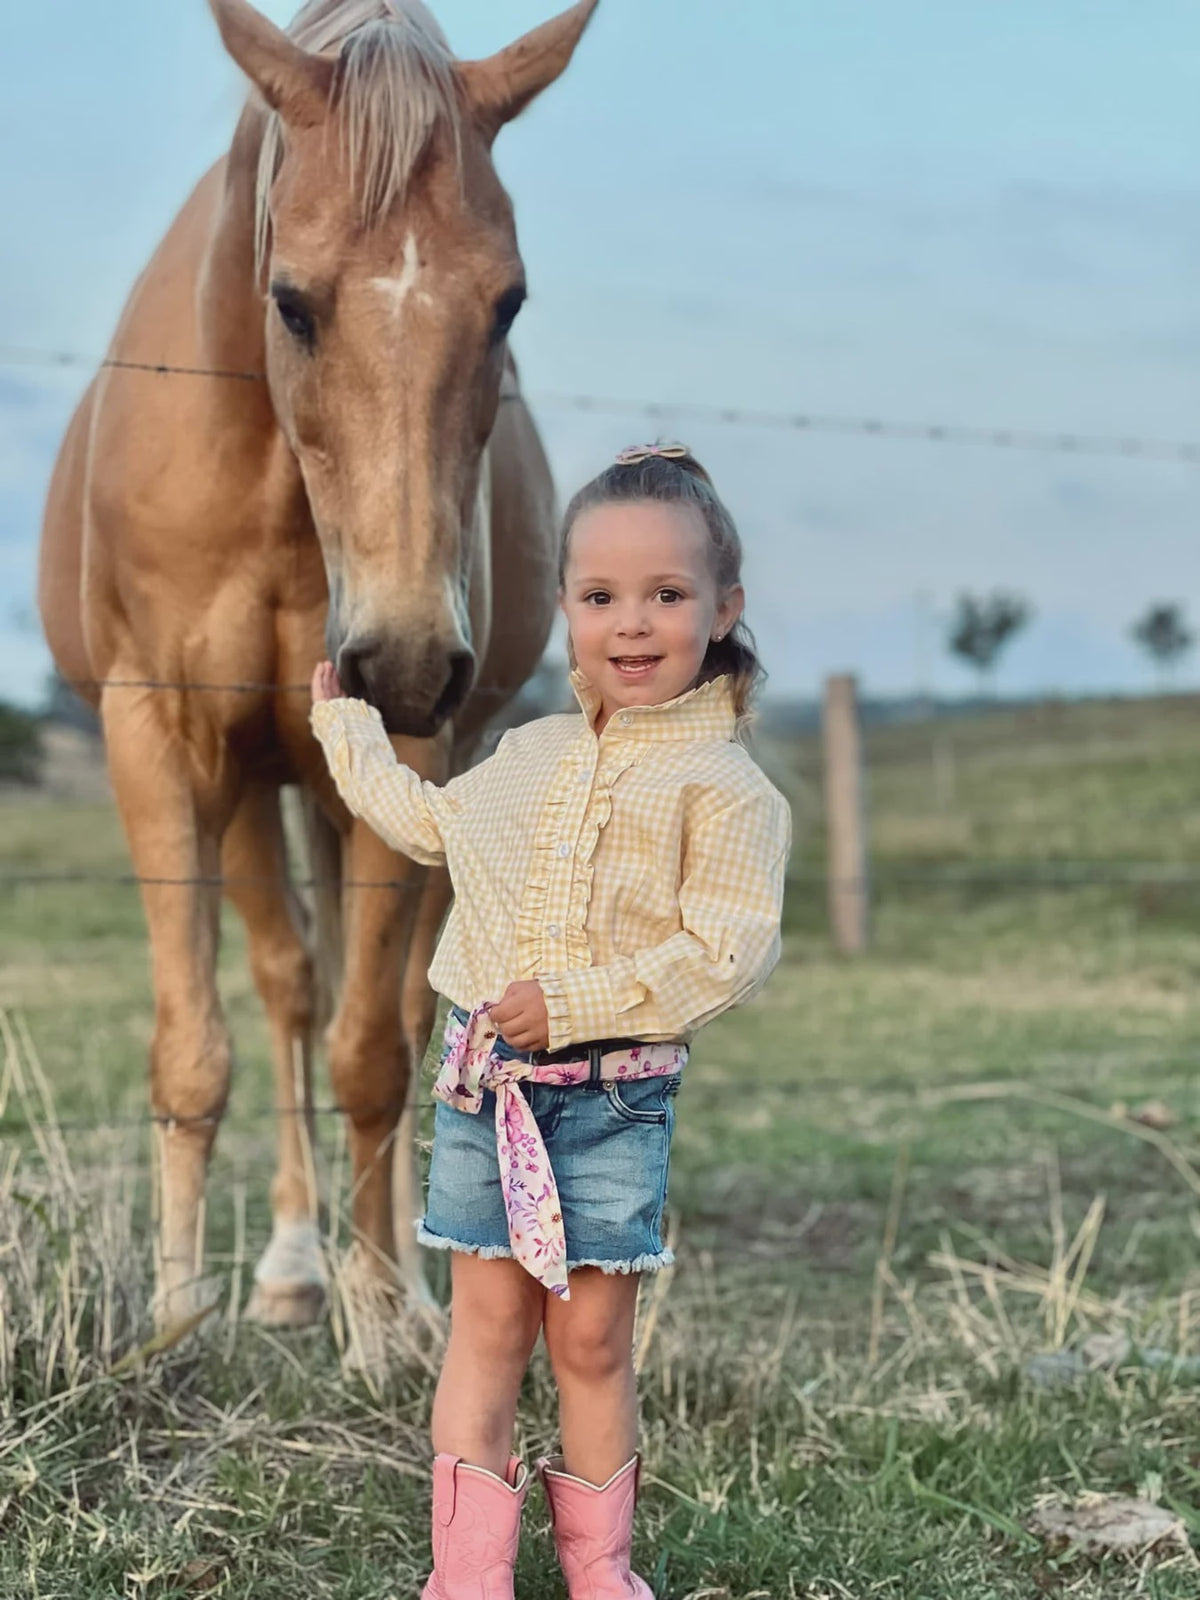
(392, 96)
(324, 23)
(395, 84)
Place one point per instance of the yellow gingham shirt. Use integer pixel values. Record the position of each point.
(638, 875)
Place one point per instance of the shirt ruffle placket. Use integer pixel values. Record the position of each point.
(552, 921)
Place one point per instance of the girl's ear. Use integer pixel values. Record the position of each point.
(562, 606)
(729, 611)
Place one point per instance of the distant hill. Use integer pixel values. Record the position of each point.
(781, 717)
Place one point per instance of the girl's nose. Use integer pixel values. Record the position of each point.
(632, 624)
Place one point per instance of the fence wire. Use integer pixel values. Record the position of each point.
(133, 880)
(43, 1119)
(1055, 441)
(249, 686)
(11, 1127)
(1014, 875)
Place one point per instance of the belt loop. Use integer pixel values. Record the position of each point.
(594, 1054)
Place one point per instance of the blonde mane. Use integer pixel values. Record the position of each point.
(395, 84)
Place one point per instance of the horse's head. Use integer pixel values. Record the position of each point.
(389, 262)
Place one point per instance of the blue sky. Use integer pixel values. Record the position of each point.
(962, 212)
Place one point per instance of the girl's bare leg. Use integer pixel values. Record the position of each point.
(495, 1316)
(590, 1341)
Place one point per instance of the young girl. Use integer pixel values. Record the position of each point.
(618, 879)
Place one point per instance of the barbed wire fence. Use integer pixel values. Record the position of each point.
(1055, 441)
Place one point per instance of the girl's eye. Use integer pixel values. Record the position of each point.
(669, 597)
(598, 597)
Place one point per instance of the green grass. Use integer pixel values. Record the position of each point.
(832, 1407)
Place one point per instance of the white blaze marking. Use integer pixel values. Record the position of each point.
(399, 289)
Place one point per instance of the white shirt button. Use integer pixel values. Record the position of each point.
(554, 931)
(624, 719)
(585, 777)
(564, 850)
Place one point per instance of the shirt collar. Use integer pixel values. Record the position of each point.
(705, 712)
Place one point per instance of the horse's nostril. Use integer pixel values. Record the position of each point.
(354, 661)
(458, 684)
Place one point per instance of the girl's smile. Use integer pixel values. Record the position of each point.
(634, 668)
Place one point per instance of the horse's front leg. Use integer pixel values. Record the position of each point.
(174, 841)
(289, 1280)
(370, 1054)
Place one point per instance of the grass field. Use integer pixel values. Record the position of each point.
(895, 1182)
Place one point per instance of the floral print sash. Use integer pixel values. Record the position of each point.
(474, 1061)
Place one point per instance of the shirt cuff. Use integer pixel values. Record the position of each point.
(328, 715)
(579, 1005)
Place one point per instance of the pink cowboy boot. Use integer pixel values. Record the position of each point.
(593, 1529)
(476, 1524)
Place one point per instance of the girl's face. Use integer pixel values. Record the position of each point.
(641, 601)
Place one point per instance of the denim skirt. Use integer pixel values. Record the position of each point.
(609, 1145)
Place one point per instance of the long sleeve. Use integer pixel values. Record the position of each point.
(730, 901)
(390, 797)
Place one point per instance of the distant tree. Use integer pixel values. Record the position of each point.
(62, 705)
(1164, 636)
(981, 627)
(20, 746)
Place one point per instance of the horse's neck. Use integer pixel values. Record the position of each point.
(229, 299)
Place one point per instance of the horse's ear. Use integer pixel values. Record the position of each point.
(291, 80)
(500, 87)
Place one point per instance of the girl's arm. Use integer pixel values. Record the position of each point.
(391, 798)
(730, 903)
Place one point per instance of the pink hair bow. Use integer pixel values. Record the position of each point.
(642, 452)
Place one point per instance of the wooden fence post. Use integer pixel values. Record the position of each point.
(845, 820)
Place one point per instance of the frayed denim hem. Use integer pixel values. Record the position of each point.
(485, 1252)
(650, 1263)
(502, 1252)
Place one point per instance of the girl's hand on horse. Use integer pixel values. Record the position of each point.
(325, 685)
(521, 1016)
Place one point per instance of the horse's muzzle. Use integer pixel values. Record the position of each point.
(416, 691)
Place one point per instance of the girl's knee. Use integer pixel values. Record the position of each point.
(596, 1362)
(591, 1349)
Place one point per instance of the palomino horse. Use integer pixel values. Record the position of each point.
(381, 497)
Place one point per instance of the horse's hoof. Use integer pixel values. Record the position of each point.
(289, 1280)
(286, 1305)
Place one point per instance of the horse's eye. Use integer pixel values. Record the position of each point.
(295, 314)
(509, 303)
